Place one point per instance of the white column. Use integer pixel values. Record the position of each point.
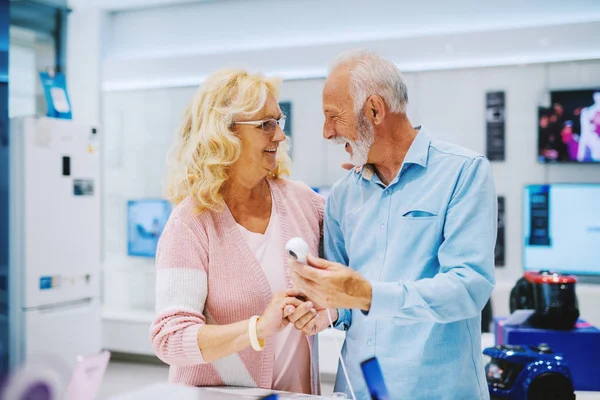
(85, 38)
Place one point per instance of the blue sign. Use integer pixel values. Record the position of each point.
(45, 282)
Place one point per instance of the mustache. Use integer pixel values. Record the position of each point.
(339, 140)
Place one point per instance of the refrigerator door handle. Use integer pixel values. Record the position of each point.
(48, 308)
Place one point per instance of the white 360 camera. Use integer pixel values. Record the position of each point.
(298, 249)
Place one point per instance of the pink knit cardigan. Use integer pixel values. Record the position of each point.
(207, 274)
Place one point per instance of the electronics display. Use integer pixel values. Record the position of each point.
(561, 228)
(527, 372)
(146, 220)
(569, 131)
(374, 378)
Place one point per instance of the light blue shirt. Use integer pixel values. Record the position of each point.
(426, 244)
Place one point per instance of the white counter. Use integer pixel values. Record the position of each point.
(164, 391)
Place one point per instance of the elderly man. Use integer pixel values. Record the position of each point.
(409, 235)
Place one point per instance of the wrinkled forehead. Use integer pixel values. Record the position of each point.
(336, 91)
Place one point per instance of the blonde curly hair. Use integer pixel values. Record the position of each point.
(206, 146)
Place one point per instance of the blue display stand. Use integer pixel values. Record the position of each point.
(580, 347)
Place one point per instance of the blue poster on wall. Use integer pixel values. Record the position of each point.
(286, 109)
(57, 98)
(146, 220)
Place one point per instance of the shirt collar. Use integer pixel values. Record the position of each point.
(418, 153)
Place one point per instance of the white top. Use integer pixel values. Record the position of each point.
(291, 370)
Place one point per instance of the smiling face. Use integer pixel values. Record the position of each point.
(259, 147)
(342, 124)
(567, 133)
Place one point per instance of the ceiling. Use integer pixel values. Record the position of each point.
(214, 27)
(121, 5)
(150, 42)
(537, 9)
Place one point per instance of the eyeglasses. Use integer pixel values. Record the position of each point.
(268, 126)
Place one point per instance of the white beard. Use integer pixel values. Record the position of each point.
(366, 137)
(361, 146)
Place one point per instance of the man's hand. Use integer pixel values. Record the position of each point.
(318, 323)
(348, 166)
(331, 285)
(306, 318)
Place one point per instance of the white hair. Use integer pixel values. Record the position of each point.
(370, 75)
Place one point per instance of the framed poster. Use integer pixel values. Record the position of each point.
(286, 109)
(146, 219)
(494, 115)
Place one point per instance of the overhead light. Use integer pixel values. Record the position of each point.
(544, 42)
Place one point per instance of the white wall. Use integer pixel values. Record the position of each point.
(138, 128)
(87, 28)
(450, 104)
(181, 44)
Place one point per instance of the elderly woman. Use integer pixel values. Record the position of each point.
(222, 309)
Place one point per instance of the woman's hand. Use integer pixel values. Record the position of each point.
(274, 319)
(310, 320)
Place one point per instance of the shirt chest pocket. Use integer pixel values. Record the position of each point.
(418, 214)
(418, 227)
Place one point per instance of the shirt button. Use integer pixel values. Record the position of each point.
(370, 342)
(382, 225)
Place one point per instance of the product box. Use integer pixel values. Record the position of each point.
(580, 347)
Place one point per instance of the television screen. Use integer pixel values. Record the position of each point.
(561, 227)
(146, 220)
(569, 131)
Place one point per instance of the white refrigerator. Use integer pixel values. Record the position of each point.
(55, 239)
